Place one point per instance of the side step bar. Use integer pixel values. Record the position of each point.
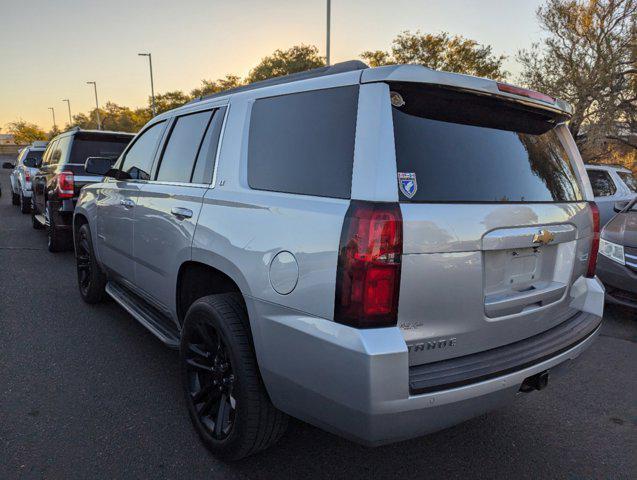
(148, 316)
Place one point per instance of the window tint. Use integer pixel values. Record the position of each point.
(46, 160)
(33, 158)
(98, 145)
(601, 182)
(465, 148)
(139, 159)
(304, 142)
(60, 153)
(181, 150)
(208, 151)
(629, 180)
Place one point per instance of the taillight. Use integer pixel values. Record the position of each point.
(27, 177)
(525, 92)
(592, 256)
(66, 185)
(368, 273)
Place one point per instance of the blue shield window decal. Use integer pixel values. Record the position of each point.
(407, 183)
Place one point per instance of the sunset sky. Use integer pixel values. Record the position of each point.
(49, 49)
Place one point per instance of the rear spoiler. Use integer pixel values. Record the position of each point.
(481, 86)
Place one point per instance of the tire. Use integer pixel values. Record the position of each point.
(25, 204)
(216, 346)
(15, 198)
(57, 241)
(90, 278)
(34, 221)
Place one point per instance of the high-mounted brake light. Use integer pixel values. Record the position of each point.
(66, 185)
(592, 256)
(525, 92)
(368, 273)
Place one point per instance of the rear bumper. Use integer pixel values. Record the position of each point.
(355, 383)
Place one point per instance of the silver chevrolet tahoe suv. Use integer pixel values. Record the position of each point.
(381, 252)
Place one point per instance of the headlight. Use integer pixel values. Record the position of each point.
(612, 250)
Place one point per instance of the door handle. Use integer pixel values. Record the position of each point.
(181, 213)
(127, 203)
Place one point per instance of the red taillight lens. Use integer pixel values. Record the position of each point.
(525, 92)
(27, 177)
(592, 256)
(368, 274)
(66, 185)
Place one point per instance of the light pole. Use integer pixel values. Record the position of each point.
(68, 103)
(152, 87)
(53, 112)
(327, 40)
(97, 105)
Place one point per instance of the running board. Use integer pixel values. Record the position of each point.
(41, 219)
(148, 316)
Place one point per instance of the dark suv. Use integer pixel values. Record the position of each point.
(61, 175)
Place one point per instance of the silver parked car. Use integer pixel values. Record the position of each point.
(611, 184)
(25, 168)
(381, 252)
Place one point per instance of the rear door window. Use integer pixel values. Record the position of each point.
(138, 160)
(303, 143)
(458, 147)
(601, 183)
(33, 158)
(180, 153)
(206, 157)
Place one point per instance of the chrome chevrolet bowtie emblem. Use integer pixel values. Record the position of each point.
(544, 236)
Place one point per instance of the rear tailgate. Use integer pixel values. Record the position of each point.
(496, 228)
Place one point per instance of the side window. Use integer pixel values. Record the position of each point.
(139, 158)
(181, 149)
(46, 160)
(61, 150)
(601, 182)
(629, 180)
(304, 142)
(207, 153)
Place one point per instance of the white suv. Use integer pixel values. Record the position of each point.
(25, 168)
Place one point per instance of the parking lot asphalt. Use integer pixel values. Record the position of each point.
(87, 392)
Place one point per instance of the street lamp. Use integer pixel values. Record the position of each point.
(152, 87)
(53, 112)
(327, 40)
(97, 105)
(68, 103)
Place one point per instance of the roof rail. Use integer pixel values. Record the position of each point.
(342, 67)
(612, 165)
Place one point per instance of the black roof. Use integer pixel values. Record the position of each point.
(342, 67)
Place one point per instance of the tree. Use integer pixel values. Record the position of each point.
(283, 62)
(169, 100)
(585, 59)
(209, 87)
(441, 52)
(25, 133)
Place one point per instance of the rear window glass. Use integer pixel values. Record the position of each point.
(304, 142)
(33, 158)
(98, 146)
(629, 180)
(458, 147)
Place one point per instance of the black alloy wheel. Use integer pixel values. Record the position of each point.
(209, 379)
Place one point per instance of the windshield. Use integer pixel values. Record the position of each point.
(458, 147)
(33, 158)
(629, 180)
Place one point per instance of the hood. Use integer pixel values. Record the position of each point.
(622, 229)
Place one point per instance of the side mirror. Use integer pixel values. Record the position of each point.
(621, 205)
(99, 165)
(7, 165)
